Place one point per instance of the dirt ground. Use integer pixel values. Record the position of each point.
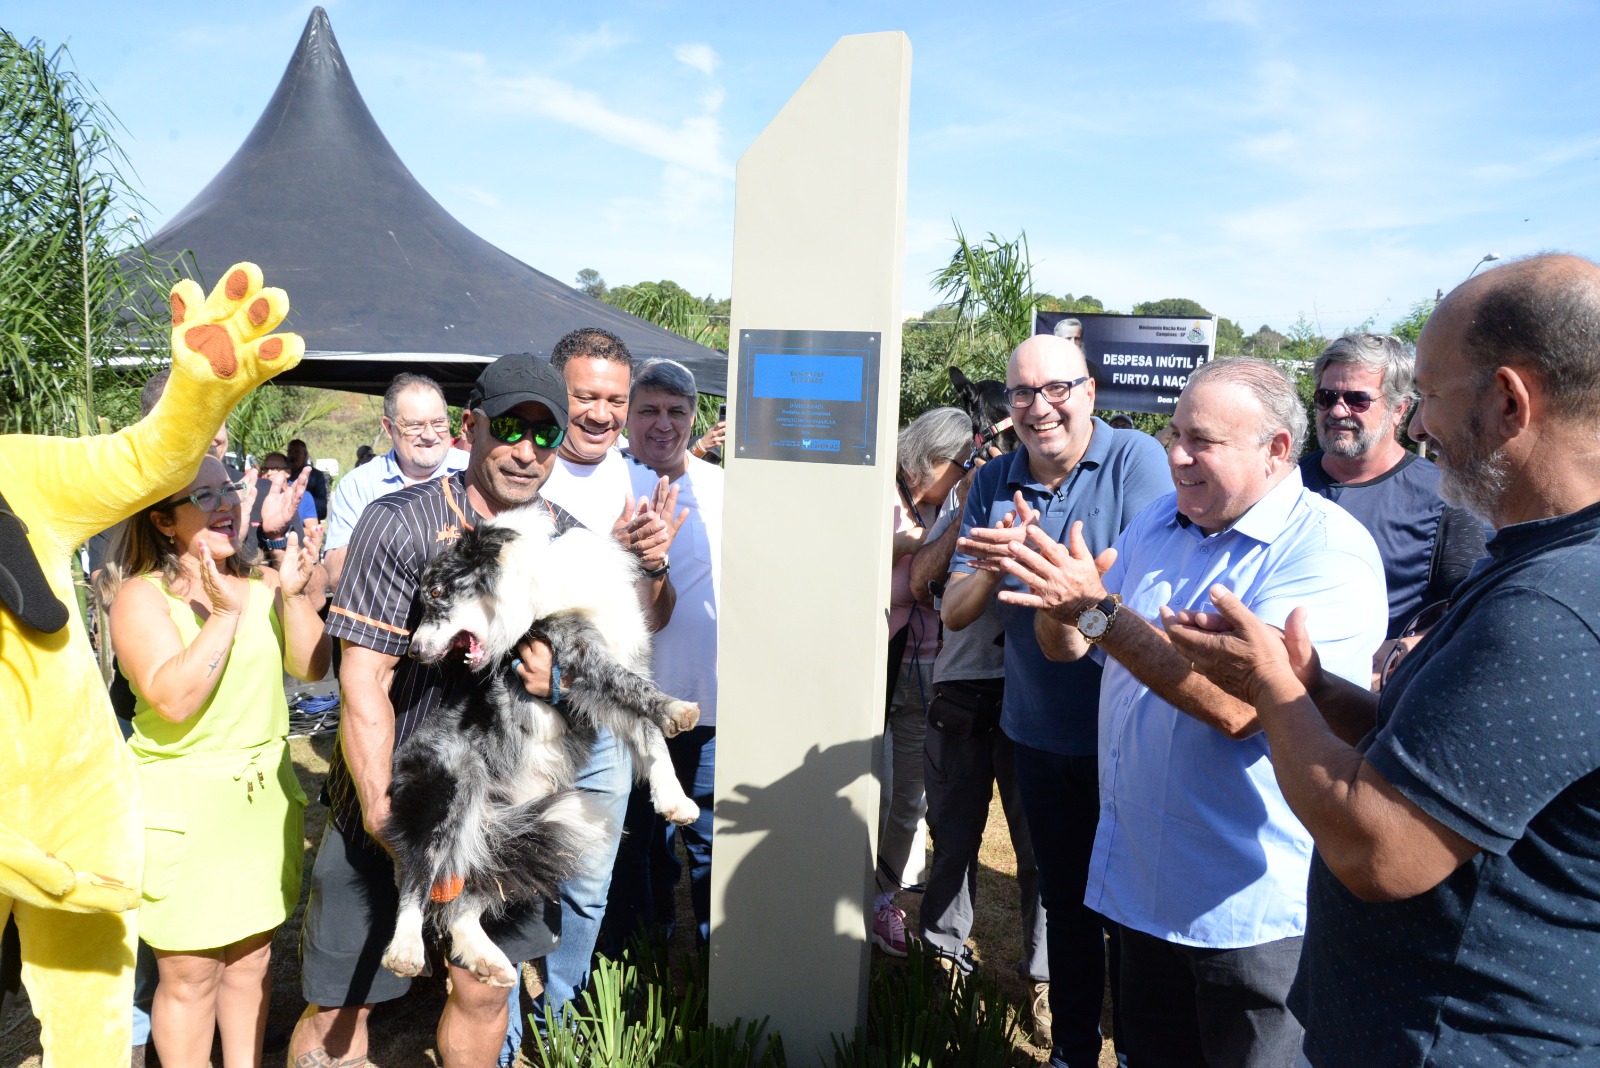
(402, 1031)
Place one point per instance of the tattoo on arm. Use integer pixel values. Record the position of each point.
(319, 1058)
(211, 668)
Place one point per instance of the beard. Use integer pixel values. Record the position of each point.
(1349, 448)
(1472, 475)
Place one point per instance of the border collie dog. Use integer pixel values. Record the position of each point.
(483, 811)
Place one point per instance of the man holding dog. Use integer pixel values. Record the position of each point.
(514, 420)
(1197, 857)
(1071, 467)
(1455, 891)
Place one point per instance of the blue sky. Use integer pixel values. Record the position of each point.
(1267, 159)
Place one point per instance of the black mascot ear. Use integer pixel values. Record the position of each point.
(23, 588)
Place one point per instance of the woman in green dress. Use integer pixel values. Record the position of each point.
(204, 636)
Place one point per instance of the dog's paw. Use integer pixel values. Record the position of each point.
(405, 955)
(681, 716)
(492, 969)
(682, 812)
(473, 950)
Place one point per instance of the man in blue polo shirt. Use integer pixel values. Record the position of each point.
(1071, 467)
(418, 425)
(1198, 858)
(1455, 892)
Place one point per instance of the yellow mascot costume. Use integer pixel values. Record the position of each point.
(71, 830)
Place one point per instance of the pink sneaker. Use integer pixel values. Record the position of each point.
(889, 930)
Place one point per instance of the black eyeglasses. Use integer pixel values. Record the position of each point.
(1054, 392)
(1357, 400)
(210, 498)
(545, 433)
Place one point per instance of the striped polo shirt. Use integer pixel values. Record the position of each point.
(377, 606)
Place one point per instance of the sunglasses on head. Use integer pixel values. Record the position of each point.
(1357, 400)
(211, 498)
(510, 429)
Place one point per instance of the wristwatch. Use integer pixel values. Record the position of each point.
(1095, 621)
(659, 572)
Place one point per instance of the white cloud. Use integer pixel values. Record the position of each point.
(702, 57)
(695, 143)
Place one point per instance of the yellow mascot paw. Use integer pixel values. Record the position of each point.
(28, 873)
(228, 335)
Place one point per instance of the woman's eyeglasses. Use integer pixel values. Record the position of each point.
(1357, 400)
(1054, 392)
(210, 498)
(545, 433)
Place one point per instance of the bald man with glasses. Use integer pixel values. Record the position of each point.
(1071, 467)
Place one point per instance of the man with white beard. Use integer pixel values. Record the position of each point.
(1364, 393)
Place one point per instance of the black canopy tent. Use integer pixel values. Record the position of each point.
(380, 277)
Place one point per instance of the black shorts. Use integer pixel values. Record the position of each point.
(349, 921)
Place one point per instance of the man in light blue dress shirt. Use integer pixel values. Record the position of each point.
(1197, 856)
(418, 425)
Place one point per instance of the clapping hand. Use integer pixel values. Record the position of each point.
(227, 598)
(300, 559)
(646, 527)
(282, 503)
(989, 545)
(1062, 580)
(1241, 654)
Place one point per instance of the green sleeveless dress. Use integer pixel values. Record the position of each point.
(223, 811)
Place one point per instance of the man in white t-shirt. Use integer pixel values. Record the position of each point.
(418, 425)
(683, 661)
(590, 480)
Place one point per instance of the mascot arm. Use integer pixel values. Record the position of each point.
(222, 348)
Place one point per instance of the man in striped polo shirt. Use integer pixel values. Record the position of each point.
(514, 421)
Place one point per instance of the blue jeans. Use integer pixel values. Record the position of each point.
(1061, 796)
(606, 779)
(647, 871)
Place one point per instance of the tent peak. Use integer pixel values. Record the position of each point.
(317, 41)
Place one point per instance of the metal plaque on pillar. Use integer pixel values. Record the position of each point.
(808, 395)
(819, 234)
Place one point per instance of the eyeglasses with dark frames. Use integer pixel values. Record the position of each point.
(1357, 400)
(1054, 392)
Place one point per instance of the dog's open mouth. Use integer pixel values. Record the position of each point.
(467, 644)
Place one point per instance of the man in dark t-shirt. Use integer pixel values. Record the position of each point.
(1364, 392)
(514, 420)
(1454, 898)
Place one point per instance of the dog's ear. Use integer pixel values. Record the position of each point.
(961, 384)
